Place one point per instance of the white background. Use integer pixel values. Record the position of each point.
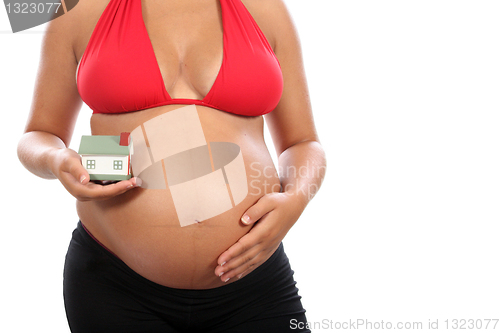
(405, 227)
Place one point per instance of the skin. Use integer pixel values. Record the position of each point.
(260, 222)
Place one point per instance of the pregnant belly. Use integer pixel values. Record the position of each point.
(174, 239)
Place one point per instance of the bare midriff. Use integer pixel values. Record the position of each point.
(141, 226)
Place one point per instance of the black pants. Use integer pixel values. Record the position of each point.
(103, 294)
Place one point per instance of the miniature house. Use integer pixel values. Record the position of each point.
(107, 157)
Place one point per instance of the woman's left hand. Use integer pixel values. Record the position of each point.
(272, 215)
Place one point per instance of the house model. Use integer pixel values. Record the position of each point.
(107, 157)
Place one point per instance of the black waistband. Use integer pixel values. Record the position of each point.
(276, 267)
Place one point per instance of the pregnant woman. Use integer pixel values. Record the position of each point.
(207, 69)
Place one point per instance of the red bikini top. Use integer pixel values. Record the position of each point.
(119, 72)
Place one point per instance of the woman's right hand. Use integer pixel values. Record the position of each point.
(56, 104)
(67, 166)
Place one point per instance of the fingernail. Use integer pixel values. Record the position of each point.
(223, 263)
(138, 181)
(82, 179)
(221, 274)
(245, 219)
(239, 276)
(226, 280)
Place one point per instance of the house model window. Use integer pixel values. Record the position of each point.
(117, 165)
(90, 164)
(107, 157)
